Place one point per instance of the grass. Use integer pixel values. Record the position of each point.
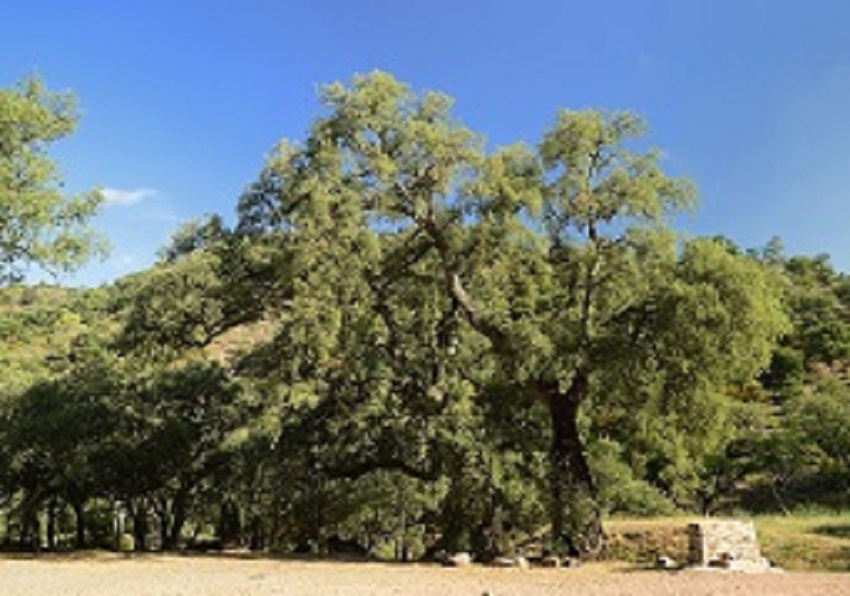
(807, 541)
(641, 541)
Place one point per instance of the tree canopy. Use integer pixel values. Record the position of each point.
(39, 225)
(413, 341)
(557, 257)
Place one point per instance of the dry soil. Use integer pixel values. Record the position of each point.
(102, 575)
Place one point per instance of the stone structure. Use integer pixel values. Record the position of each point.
(729, 544)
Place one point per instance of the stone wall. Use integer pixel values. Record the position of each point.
(724, 543)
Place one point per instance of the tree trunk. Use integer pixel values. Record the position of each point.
(576, 522)
(5, 534)
(229, 526)
(51, 525)
(119, 523)
(178, 519)
(139, 511)
(257, 541)
(80, 515)
(30, 538)
(162, 514)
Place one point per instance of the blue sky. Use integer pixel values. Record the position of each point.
(182, 99)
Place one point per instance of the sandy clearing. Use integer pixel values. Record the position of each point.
(102, 575)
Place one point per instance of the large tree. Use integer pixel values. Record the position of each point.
(39, 224)
(558, 258)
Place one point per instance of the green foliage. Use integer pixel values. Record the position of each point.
(176, 306)
(410, 342)
(39, 328)
(194, 236)
(620, 492)
(822, 417)
(41, 226)
(817, 422)
(411, 249)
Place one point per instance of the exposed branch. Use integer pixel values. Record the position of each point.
(454, 285)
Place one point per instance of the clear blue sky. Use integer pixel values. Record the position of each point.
(182, 99)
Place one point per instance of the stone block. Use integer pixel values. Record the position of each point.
(728, 544)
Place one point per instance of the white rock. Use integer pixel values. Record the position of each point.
(459, 560)
(522, 563)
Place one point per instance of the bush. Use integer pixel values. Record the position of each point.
(619, 491)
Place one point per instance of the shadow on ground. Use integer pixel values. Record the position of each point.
(834, 530)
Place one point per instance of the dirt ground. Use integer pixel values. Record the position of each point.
(102, 575)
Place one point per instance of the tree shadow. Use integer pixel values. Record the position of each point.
(833, 530)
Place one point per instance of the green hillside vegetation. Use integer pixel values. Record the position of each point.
(409, 344)
(39, 326)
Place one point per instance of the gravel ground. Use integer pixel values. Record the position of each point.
(101, 575)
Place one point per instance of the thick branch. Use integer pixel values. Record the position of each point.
(457, 291)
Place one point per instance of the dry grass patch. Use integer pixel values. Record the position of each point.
(805, 541)
(642, 541)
